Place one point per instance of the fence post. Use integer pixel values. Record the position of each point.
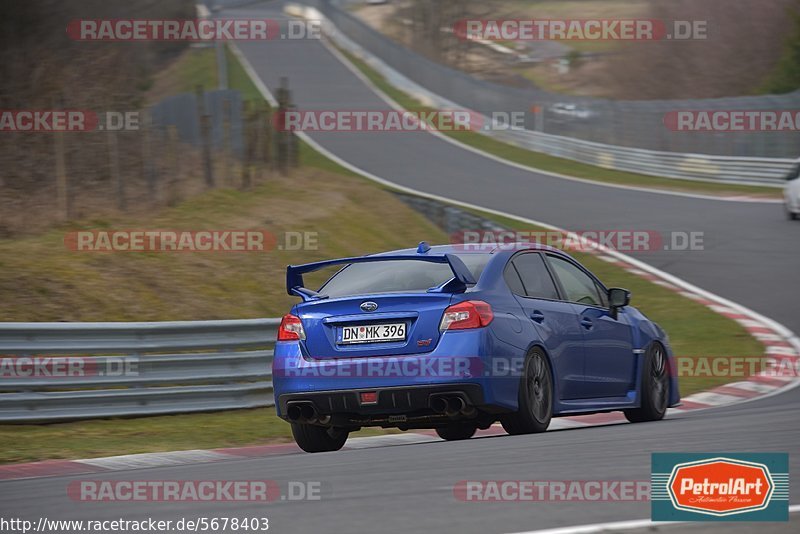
(148, 165)
(284, 104)
(226, 178)
(62, 187)
(250, 142)
(222, 66)
(113, 162)
(291, 138)
(61, 177)
(172, 182)
(265, 133)
(205, 136)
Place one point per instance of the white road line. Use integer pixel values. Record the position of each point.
(625, 525)
(712, 399)
(369, 442)
(155, 459)
(749, 385)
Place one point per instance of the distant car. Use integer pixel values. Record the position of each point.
(455, 339)
(791, 193)
(571, 110)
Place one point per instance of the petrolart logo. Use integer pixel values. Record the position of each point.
(719, 486)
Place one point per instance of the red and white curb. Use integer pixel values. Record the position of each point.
(128, 462)
(777, 341)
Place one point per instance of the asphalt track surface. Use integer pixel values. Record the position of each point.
(751, 257)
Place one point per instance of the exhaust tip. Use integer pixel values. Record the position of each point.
(439, 404)
(308, 412)
(455, 405)
(293, 413)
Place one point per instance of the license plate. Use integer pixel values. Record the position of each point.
(373, 333)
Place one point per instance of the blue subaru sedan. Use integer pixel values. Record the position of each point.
(457, 337)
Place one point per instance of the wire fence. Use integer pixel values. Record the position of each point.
(183, 145)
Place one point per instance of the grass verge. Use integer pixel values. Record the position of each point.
(568, 167)
(198, 66)
(109, 437)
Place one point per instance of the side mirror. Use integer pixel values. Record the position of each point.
(618, 297)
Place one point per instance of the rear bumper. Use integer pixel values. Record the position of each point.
(458, 364)
(400, 400)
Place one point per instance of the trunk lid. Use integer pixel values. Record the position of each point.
(324, 321)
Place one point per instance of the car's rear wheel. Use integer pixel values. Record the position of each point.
(456, 431)
(535, 397)
(655, 387)
(312, 438)
(792, 216)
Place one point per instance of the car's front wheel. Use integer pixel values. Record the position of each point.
(312, 438)
(535, 397)
(456, 431)
(655, 387)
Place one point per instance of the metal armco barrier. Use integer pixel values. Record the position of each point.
(625, 136)
(68, 371)
(706, 167)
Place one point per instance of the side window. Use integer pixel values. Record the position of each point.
(579, 286)
(535, 277)
(512, 279)
(603, 295)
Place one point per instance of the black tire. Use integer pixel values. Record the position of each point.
(456, 431)
(535, 397)
(312, 438)
(791, 215)
(655, 387)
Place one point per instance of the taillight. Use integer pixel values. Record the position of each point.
(291, 328)
(468, 314)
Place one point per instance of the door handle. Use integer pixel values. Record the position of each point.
(537, 316)
(586, 323)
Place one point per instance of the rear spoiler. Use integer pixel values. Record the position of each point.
(462, 276)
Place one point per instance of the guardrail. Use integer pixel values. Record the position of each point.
(770, 172)
(364, 43)
(68, 371)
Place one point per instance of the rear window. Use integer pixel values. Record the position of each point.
(394, 276)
